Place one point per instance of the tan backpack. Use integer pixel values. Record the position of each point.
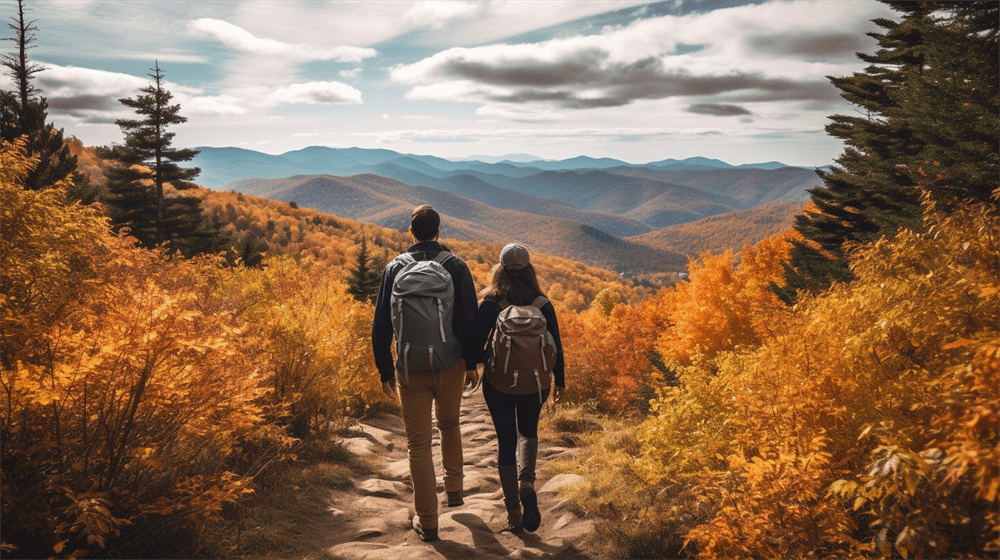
(521, 352)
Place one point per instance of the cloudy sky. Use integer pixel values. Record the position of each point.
(741, 81)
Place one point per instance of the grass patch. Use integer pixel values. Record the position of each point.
(632, 518)
(569, 425)
(276, 521)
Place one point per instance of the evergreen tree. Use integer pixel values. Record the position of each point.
(148, 164)
(249, 250)
(366, 276)
(928, 107)
(23, 111)
(29, 111)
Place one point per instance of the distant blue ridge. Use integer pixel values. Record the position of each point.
(220, 166)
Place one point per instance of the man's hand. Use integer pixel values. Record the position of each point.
(471, 379)
(389, 388)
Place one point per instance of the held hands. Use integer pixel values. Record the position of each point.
(471, 380)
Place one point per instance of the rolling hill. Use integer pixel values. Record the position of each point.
(388, 203)
(719, 233)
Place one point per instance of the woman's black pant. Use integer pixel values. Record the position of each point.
(512, 414)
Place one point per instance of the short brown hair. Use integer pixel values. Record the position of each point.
(425, 223)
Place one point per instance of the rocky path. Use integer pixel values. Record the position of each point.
(371, 520)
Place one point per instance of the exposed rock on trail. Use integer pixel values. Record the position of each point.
(371, 520)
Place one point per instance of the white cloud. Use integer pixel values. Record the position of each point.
(316, 93)
(517, 135)
(242, 40)
(214, 105)
(165, 56)
(437, 13)
(372, 22)
(352, 73)
(92, 95)
(63, 82)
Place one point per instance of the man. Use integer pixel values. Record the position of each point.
(421, 388)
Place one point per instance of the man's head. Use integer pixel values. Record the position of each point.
(425, 223)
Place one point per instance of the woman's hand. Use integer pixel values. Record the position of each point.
(557, 393)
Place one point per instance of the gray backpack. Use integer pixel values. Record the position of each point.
(422, 302)
(522, 352)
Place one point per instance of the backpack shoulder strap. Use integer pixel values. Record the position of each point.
(406, 258)
(540, 301)
(443, 257)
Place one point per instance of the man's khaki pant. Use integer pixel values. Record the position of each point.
(416, 395)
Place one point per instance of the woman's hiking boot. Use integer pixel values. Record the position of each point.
(514, 523)
(532, 518)
(508, 483)
(527, 456)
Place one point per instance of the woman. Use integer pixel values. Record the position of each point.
(515, 416)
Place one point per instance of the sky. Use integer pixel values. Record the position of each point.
(743, 81)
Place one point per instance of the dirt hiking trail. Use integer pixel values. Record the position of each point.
(371, 520)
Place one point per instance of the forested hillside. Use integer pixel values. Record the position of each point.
(724, 232)
(386, 202)
(281, 229)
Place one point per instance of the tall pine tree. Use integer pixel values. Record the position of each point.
(366, 276)
(23, 111)
(145, 189)
(928, 105)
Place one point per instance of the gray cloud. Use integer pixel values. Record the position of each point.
(79, 103)
(585, 80)
(97, 118)
(717, 110)
(581, 68)
(826, 46)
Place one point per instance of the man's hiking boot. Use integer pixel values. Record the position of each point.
(514, 523)
(455, 499)
(426, 535)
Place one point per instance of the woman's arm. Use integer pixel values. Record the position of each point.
(558, 371)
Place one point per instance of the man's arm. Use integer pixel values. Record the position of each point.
(465, 313)
(382, 329)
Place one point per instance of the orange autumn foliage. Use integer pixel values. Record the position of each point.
(608, 352)
(864, 422)
(724, 305)
(127, 385)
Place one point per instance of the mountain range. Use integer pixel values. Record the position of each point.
(605, 212)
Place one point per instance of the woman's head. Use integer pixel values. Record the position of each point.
(514, 276)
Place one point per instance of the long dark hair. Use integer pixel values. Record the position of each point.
(519, 287)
